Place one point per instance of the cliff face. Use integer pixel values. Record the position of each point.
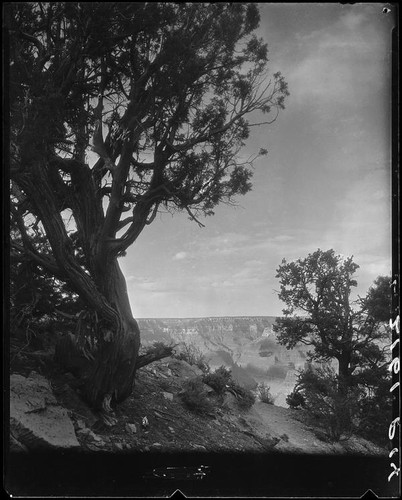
(247, 345)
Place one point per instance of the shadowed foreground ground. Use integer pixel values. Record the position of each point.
(258, 475)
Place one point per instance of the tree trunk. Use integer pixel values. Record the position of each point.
(344, 374)
(111, 376)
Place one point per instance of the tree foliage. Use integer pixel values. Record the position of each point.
(319, 288)
(162, 93)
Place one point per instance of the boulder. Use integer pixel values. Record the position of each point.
(88, 433)
(182, 369)
(132, 428)
(199, 447)
(36, 419)
(16, 446)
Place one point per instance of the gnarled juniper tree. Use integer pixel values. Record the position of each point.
(162, 93)
(321, 312)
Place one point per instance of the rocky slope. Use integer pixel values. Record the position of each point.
(46, 412)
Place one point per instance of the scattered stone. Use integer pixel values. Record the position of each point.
(156, 445)
(95, 446)
(171, 430)
(36, 419)
(131, 428)
(80, 424)
(90, 434)
(199, 447)
(119, 446)
(168, 395)
(16, 446)
(145, 423)
(147, 448)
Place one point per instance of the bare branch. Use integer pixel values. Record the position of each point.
(154, 354)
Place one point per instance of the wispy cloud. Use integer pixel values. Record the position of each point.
(339, 64)
(180, 256)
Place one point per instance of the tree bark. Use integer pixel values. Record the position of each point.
(110, 379)
(344, 373)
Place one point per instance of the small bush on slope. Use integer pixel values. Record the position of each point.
(194, 397)
(219, 379)
(193, 356)
(264, 394)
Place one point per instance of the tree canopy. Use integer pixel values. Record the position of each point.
(319, 288)
(161, 93)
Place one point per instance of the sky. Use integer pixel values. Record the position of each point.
(325, 183)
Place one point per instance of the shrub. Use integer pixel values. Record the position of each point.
(193, 356)
(264, 394)
(245, 398)
(376, 411)
(295, 400)
(324, 400)
(219, 379)
(194, 397)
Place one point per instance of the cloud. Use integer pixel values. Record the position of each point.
(180, 256)
(282, 238)
(339, 65)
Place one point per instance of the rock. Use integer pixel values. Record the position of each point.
(16, 446)
(171, 430)
(131, 428)
(36, 420)
(230, 401)
(90, 434)
(182, 369)
(156, 445)
(119, 446)
(95, 446)
(168, 395)
(145, 423)
(199, 447)
(80, 424)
